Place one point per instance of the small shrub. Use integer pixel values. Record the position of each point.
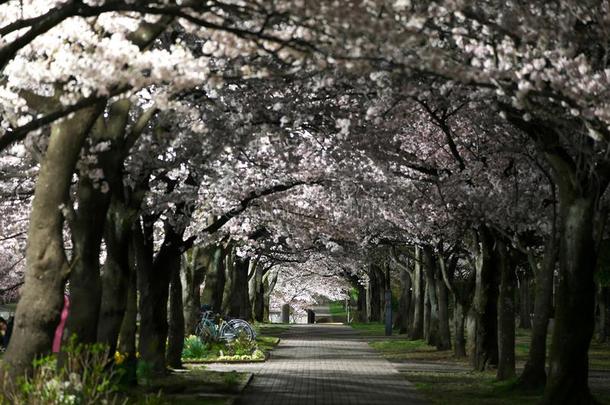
(241, 346)
(86, 377)
(194, 348)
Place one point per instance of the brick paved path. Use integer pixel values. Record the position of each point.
(324, 364)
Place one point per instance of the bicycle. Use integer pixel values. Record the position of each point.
(211, 330)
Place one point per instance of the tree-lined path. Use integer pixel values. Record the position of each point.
(325, 364)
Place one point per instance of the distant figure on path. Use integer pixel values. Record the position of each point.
(59, 331)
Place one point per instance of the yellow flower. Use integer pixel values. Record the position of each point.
(119, 358)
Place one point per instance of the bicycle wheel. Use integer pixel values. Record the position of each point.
(241, 327)
(227, 332)
(205, 331)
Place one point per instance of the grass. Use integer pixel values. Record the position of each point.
(468, 388)
(459, 385)
(369, 329)
(270, 329)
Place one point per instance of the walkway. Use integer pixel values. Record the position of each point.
(324, 365)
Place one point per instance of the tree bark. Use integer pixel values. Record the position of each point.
(525, 301)
(534, 372)
(85, 282)
(417, 329)
(89, 223)
(432, 332)
(42, 300)
(603, 332)
(214, 279)
(192, 273)
(116, 273)
(175, 338)
(459, 319)
(153, 285)
(444, 342)
(506, 312)
(361, 304)
(404, 316)
(574, 314)
(257, 293)
(270, 282)
(484, 310)
(235, 300)
(373, 296)
(129, 327)
(127, 336)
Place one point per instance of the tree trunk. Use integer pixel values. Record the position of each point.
(361, 303)
(603, 333)
(116, 273)
(506, 312)
(175, 338)
(129, 327)
(257, 293)
(89, 223)
(127, 336)
(382, 285)
(417, 329)
(192, 273)
(432, 332)
(444, 342)
(525, 301)
(270, 282)
(534, 372)
(214, 279)
(373, 296)
(484, 310)
(85, 282)
(42, 300)
(237, 303)
(427, 313)
(574, 314)
(153, 285)
(459, 319)
(403, 319)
